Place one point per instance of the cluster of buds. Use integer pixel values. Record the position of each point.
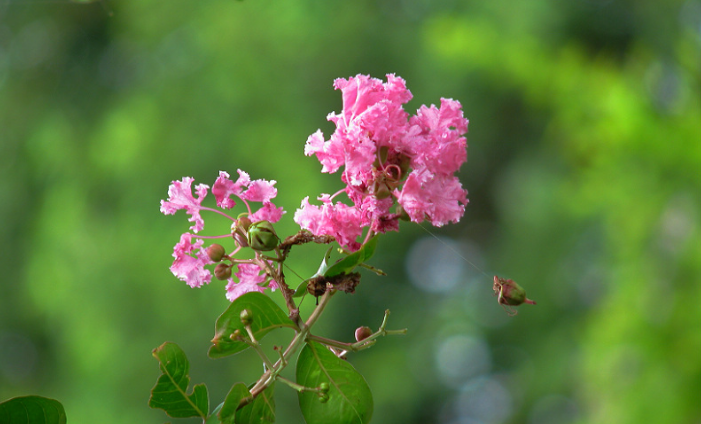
(259, 236)
(323, 392)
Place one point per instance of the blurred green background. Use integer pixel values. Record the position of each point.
(584, 175)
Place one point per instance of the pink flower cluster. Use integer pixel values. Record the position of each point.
(389, 159)
(395, 166)
(190, 257)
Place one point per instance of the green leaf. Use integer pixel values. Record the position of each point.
(231, 403)
(324, 266)
(170, 391)
(350, 399)
(301, 289)
(266, 316)
(214, 417)
(32, 410)
(343, 266)
(347, 264)
(260, 410)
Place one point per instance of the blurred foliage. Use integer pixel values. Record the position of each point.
(585, 151)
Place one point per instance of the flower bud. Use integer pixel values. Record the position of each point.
(261, 236)
(216, 252)
(222, 271)
(324, 397)
(236, 335)
(240, 238)
(239, 230)
(246, 317)
(243, 222)
(323, 387)
(510, 293)
(362, 333)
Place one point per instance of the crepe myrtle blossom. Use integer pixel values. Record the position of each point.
(390, 160)
(250, 278)
(190, 255)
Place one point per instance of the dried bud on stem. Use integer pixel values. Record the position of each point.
(510, 294)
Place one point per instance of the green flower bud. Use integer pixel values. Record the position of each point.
(216, 252)
(362, 333)
(236, 335)
(246, 317)
(262, 237)
(222, 271)
(323, 387)
(323, 398)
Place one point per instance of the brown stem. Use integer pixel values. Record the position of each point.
(302, 237)
(294, 345)
(279, 277)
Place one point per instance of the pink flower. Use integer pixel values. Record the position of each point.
(188, 268)
(248, 191)
(224, 188)
(389, 160)
(372, 117)
(250, 277)
(245, 189)
(267, 213)
(260, 191)
(438, 145)
(180, 197)
(330, 155)
(441, 200)
(376, 213)
(340, 221)
(191, 258)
